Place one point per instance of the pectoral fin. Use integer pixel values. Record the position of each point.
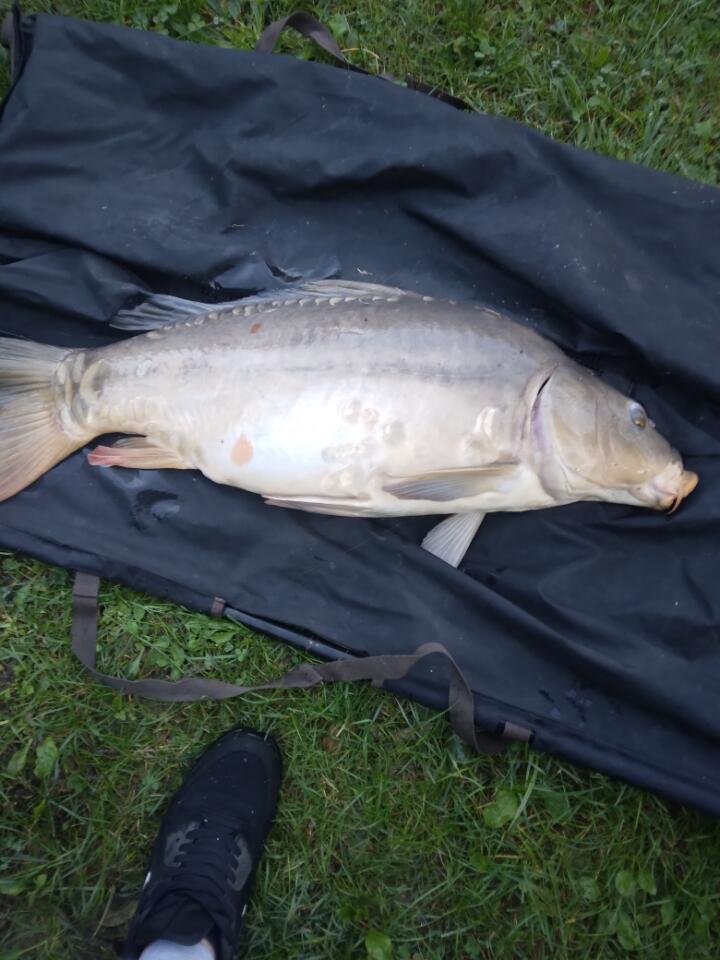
(450, 539)
(139, 453)
(454, 484)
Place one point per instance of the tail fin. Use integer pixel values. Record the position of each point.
(31, 437)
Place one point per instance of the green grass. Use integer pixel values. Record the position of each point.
(389, 836)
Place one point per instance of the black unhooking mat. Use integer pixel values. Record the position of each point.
(130, 162)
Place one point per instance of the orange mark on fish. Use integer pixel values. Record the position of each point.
(255, 327)
(242, 451)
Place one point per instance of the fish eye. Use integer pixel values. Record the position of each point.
(638, 416)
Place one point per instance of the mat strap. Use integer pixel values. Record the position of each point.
(315, 30)
(377, 669)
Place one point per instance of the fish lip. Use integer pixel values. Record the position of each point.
(691, 481)
(671, 499)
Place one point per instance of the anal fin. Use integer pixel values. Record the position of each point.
(333, 506)
(450, 539)
(138, 453)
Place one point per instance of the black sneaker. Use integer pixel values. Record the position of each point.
(208, 847)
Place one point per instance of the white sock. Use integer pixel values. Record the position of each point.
(167, 950)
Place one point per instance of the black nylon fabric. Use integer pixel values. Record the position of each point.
(132, 162)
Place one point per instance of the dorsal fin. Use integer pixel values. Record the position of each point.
(161, 309)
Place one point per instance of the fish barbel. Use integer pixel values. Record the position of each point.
(342, 398)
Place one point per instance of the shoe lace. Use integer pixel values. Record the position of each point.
(226, 859)
(210, 861)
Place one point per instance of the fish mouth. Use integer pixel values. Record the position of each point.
(670, 500)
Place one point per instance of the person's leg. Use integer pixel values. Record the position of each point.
(206, 853)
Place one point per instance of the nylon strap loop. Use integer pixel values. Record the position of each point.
(305, 25)
(313, 29)
(376, 669)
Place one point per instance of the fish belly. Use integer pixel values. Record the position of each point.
(347, 439)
